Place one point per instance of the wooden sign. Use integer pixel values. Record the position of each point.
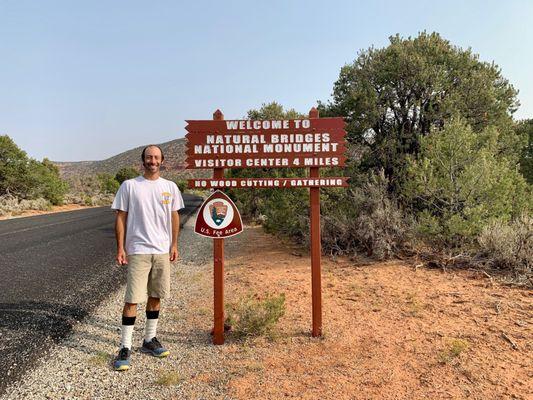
(218, 217)
(310, 142)
(298, 143)
(225, 126)
(265, 183)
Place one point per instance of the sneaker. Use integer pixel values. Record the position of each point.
(122, 360)
(155, 348)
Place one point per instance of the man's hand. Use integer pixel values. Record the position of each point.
(120, 231)
(173, 253)
(121, 257)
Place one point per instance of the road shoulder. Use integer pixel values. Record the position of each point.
(80, 366)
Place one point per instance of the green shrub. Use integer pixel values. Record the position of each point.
(125, 173)
(26, 178)
(108, 183)
(460, 183)
(286, 213)
(524, 129)
(182, 184)
(14, 169)
(252, 316)
(46, 182)
(87, 201)
(394, 96)
(92, 190)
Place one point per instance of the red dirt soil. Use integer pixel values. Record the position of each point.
(390, 331)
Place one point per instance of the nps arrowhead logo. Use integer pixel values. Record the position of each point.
(218, 211)
(218, 217)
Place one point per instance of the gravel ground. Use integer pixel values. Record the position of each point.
(80, 366)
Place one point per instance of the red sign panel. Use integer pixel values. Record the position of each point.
(283, 126)
(218, 217)
(298, 143)
(265, 183)
(293, 161)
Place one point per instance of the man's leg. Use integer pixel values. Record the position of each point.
(139, 266)
(152, 317)
(138, 269)
(158, 288)
(129, 313)
(153, 304)
(122, 360)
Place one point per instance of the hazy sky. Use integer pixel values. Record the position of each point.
(85, 80)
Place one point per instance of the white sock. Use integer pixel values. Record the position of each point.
(150, 328)
(126, 334)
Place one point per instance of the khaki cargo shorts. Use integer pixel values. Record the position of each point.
(148, 275)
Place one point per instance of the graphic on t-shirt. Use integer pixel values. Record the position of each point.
(166, 197)
(218, 212)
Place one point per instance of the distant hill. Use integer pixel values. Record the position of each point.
(174, 165)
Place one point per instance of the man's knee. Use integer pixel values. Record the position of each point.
(153, 303)
(130, 309)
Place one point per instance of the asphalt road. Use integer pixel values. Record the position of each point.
(54, 270)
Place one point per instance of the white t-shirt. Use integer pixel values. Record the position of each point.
(149, 204)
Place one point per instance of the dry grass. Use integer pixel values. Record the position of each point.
(169, 378)
(509, 246)
(454, 348)
(253, 316)
(10, 205)
(89, 199)
(100, 359)
(365, 219)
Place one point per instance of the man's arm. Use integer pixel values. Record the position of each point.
(175, 233)
(120, 233)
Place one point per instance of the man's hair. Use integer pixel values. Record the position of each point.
(152, 145)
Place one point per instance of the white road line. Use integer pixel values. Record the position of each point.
(45, 226)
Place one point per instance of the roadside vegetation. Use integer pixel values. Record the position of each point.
(26, 183)
(438, 167)
(100, 189)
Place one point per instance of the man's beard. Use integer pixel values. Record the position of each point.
(149, 166)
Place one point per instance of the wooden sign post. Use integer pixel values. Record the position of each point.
(316, 248)
(299, 143)
(218, 264)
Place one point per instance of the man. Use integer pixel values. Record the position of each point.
(146, 228)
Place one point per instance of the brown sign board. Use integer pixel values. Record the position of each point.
(334, 136)
(218, 144)
(298, 143)
(207, 151)
(306, 125)
(218, 217)
(265, 183)
(293, 161)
